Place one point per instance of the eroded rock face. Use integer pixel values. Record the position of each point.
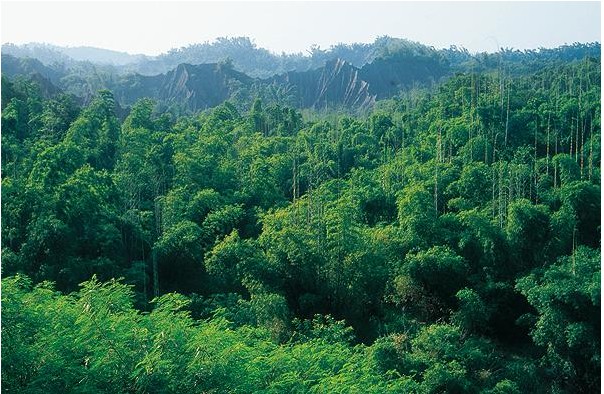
(198, 87)
(339, 83)
(194, 87)
(336, 84)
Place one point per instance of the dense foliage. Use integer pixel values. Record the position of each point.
(448, 241)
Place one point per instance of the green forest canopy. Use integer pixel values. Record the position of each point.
(448, 241)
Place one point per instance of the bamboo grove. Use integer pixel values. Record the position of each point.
(446, 241)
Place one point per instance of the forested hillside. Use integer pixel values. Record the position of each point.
(247, 57)
(447, 239)
(349, 78)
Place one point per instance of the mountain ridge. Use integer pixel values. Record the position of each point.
(336, 83)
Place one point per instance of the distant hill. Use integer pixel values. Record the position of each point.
(13, 66)
(52, 54)
(102, 56)
(204, 75)
(241, 51)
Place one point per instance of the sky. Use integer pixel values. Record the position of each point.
(152, 27)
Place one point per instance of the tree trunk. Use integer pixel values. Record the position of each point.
(507, 120)
(591, 148)
(547, 146)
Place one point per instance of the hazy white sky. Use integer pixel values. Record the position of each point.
(154, 27)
